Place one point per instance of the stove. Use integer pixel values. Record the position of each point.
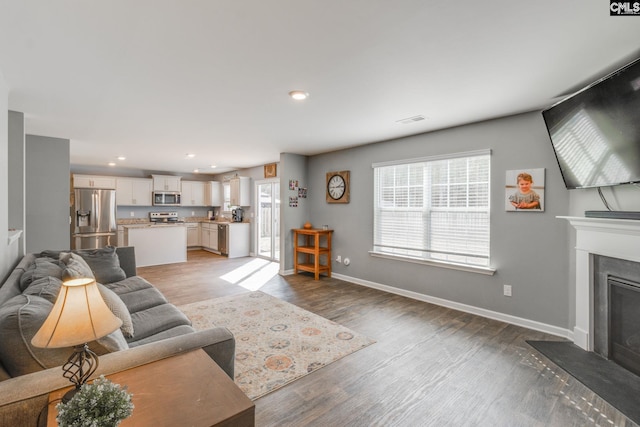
(164, 217)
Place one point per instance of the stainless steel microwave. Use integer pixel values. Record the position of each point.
(166, 198)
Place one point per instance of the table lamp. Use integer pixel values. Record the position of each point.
(78, 316)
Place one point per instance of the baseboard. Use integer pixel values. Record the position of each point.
(513, 320)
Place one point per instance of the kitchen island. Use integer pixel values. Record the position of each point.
(157, 244)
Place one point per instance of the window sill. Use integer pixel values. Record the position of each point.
(461, 267)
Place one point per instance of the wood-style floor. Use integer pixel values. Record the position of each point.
(430, 366)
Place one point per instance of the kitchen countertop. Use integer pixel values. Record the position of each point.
(144, 222)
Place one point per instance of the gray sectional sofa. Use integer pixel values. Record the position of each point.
(152, 327)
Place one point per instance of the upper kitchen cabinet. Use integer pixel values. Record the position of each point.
(94, 181)
(240, 191)
(134, 191)
(213, 193)
(166, 183)
(193, 193)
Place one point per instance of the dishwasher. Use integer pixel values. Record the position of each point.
(222, 239)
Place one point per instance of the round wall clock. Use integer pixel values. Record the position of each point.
(338, 187)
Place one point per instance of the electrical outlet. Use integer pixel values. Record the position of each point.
(193, 213)
(132, 214)
(338, 258)
(507, 290)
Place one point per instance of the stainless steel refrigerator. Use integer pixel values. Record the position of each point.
(94, 219)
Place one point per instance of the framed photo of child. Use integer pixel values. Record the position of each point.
(524, 190)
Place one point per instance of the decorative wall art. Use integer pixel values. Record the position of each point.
(293, 184)
(302, 193)
(293, 202)
(271, 170)
(524, 190)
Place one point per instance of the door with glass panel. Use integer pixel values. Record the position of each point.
(268, 223)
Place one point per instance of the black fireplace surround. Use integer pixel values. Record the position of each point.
(617, 311)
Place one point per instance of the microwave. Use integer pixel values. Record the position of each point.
(166, 198)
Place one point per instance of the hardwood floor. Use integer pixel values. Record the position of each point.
(430, 366)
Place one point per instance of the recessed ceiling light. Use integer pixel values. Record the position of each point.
(111, 163)
(298, 95)
(196, 171)
(213, 166)
(190, 155)
(122, 158)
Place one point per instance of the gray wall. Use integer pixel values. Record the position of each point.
(292, 167)
(7, 254)
(16, 177)
(529, 249)
(47, 193)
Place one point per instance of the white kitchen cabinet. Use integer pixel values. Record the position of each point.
(213, 193)
(156, 245)
(166, 183)
(193, 193)
(240, 188)
(121, 236)
(133, 191)
(209, 236)
(94, 181)
(193, 234)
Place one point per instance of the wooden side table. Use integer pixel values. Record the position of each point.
(312, 250)
(188, 389)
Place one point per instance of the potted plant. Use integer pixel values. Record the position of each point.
(98, 404)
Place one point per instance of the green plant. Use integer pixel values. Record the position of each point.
(99, 404)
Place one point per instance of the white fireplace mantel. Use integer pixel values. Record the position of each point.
(615, 238)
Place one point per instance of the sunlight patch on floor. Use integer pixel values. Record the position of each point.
(252, 275)
(261, 277)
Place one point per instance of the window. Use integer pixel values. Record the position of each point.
(226, 191)
(434, 209)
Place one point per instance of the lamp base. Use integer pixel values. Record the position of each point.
(80, 366)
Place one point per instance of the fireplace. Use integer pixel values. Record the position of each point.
(616, 319)
(596, 239)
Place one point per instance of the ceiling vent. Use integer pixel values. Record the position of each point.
(410, 120)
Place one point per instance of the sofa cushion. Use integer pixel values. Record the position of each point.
(75, 267)
(130, 284)
(104, 263)
(20, 318)
(169, 333)
(45, 287)
(41, 267)
(143, 299)
(157, 319)
(118, 308)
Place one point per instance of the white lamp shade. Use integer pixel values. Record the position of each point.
(78, 316)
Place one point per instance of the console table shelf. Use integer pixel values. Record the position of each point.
(311, 250)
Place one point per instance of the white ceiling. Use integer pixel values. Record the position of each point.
(153, 80)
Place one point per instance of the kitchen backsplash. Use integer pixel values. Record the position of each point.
(142, 212)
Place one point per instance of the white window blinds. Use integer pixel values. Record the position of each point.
(434, 208)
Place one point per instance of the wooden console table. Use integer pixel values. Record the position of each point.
(188, 389)
(312, 250)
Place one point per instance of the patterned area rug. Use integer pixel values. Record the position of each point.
(276, 342)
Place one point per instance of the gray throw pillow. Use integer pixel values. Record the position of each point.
(45, 287)
(76, 267)
(41, 267)
(104, 263)
(118, 308)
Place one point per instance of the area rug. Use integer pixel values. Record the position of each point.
(276, 342)
(604, 377)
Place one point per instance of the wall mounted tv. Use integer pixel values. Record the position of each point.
(595, 133)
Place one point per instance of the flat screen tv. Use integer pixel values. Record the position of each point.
(595, 133)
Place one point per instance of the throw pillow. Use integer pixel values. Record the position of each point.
(76, 267)
(45, 287)
(41, 267)
(104, 263)
(118, 308)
